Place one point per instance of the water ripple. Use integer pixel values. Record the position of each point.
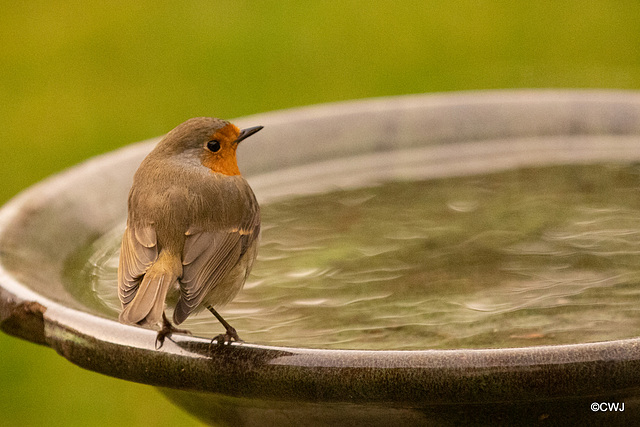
(516, 258)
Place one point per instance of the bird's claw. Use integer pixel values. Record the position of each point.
(227, 337)
(167, 330)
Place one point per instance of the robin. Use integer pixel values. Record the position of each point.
(192, 228)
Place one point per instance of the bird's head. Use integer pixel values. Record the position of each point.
(210, 141)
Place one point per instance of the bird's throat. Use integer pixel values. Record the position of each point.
(224, 163)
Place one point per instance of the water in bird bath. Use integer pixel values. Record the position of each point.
(534, 256)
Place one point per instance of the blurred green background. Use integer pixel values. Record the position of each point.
(81, 78)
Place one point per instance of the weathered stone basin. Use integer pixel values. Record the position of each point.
(248, 384)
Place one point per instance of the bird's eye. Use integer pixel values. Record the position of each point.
(213, 145)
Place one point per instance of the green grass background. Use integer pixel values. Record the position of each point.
(80, 78)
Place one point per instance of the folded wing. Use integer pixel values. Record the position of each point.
(208, 258)
(138, 252)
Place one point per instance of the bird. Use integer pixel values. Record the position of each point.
(193, 225)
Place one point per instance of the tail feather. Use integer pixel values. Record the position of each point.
(147, 305)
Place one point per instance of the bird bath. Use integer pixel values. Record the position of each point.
(48, 233)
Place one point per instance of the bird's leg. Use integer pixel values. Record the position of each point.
(229, 334)
(167, 329)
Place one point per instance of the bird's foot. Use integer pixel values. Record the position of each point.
(227, 337)
(167, 330)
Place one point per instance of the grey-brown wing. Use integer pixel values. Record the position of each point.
(208, 257)
(138, 252)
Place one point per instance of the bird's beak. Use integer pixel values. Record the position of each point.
(246, 133)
